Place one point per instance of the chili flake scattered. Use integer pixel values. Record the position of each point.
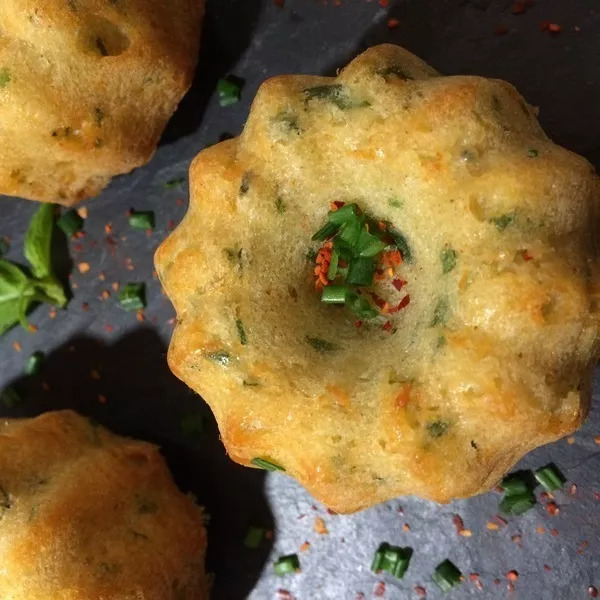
(512, 575)
(420, 591)
(320, 526)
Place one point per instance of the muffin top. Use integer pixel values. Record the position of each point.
(473, 340)
(86, 89)
(89, 515)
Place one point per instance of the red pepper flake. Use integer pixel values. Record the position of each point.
(554, 532)
(527, 256)
(521, 6)
(320, 526)
(332, 512)
(596, 496)
(85, 306)
(32, 328)
(547, 568)
(592, 592)
(84, 267)
(570, 441)
(597, 440)
(45, 386)
(552, 509)
(101, 398)
(406, 527)
(420, 591)
(108, 328)
(393, 23)
(280, 3)
(501, 30)
(497, 581)
(108, 229)
(305, 546)
(473, 577)
(573, 489)
(17, 346)
(379, 590)
(540, 530)
(78, 248)
(512, 575)
(284, 595)
(403, 304)
(458, 523)
(387, 326)
(517, 539)
(171, 225)
(501, 521)
(551, 27)
(358, 324)
(384, 3)
(52, 313)
(398, 284)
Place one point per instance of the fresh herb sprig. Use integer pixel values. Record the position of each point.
(20, 288)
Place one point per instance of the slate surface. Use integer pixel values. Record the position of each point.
(255, 39)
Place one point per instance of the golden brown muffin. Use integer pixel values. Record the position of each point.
(494, 230)
(86, 89)
(88, 515)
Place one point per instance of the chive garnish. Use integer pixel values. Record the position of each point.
(34, 363)
(517, 504)
(280, 205)
(174, 183)
(448, 257)
(361, 271)
(321, 345)
(287, 564)
(514, 484)
(141, 220)
(70, 223)
(392, 559)
(267, 465)
(437, 429)
(220, 357)
(335, 294)
(532, 153)
(132, 296)
(229, 91)
(327, 231)
(446, 575)
(241, 332)
(503, 221)
(254, 537)
(5, 77)
(550, 478)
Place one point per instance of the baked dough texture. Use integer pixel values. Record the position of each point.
(494, 354)
(88, 515)
(86, 89)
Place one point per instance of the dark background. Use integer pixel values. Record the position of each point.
(95, 349)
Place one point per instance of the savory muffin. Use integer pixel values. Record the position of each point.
(389, 283)
(88, 515)
(86, 89)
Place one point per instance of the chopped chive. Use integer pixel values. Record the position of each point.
(343, 214)
(550, 478)
(350, 231)
(174, 183)
(328, 230)
(437, 429)
(441, 312)
(513, 485)
(311, 255)
(503, 221)
(335, 294)
(401, 243)
(361, 271)
(220, 357)
(267, 465)
(229, 91)
(10, 397)
(287, 564)
(333, 265)
(360, 306)
(34, 363)
(336, 94)
(321, 345)
(70, 223)
(392, 559)
(448, 258)
(396, 203)
(241, 332)
(517, 504)
(280, 205)
(192, 425)
(132, 296)
(532, 153)
(446, 576)
(369, 245)
(254, 537)
(141, 220)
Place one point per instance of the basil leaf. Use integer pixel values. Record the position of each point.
(52, 290)
(38, 240)
(17, 292)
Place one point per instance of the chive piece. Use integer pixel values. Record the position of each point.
(229, 91)
(336, 94)
(401, 243)
(437, 429)
(448, 258)
(350, 231)
(360, 306)
(311, 255)
(141, 220)
(287, 564)
(503, 221)
(327, 231)
(132, 296)
(361, 271)
(254, 537)
(532, 153)
(321, 345)
(5, 77)
(343, 214)
(333, 265)
(441, 312)
(241, 332)
(446, 576)
(220, 357)
(70, 223)
(550, 478)
(10, 397)
(267, 465)
(396, 203)
(513, 485)
(34, 363)
(280, 205)
(392, 559)
(335, 294)
(174, 183)
(517, 504)
(369, 245)
(192, 425)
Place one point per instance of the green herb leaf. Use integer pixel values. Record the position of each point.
(17, 293)
(441, 313)
(51, 291)
(230, 92)
(396, 203)
(361, 271)
(337, 94)
(335, 294)
(532, 153)
(70, 223)
(503, 221)
(396, 70)
(321, 345)
(141, 220)
(267, 465)
(38, 240)
(446, 576)
(514, 484)
(132, 296)
(401, 243)
(280, 205)
(360, 306)
(287, 564)
(34, 363)
(517, 504)
(448, 258)
(550, 478)
(437, 429)
(174, 183)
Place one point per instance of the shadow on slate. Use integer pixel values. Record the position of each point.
(143, 396)
(227, 32)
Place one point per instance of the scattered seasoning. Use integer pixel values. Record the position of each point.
(169, 185)
(512, 575)
(17, 346)
(437, 429)
(393, 23)
(280, 205)
(379, 590)
(320, 526)
(254, 537)
(532, 153)
(141, 220)
(592, 592)
(392, 559)
(420, 591)
(132, 296)
(230, 91)
(446, 576)
(70, 223)
(83, 267)
(337, 94)
(287, 564)
(448, 258)
(305, 546)
(267, 465)
(34, 363)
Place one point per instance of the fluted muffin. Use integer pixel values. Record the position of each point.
(86, 89)
(460, 335)
(89, 515)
